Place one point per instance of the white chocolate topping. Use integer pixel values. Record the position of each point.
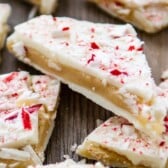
(119, 136)
(70, 164)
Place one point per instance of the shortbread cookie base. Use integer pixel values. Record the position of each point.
(135, 15)
(93, 88)
(92, 150)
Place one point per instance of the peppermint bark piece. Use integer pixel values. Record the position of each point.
(70, 164)
(117, 143)
(45, 6)
(147, 15)
(104, 62)
(27, 112)
(5, 11)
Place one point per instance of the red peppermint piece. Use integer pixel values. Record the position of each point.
(131, 48)
(166, 128)
(91, 59)
(25, 78)
(105, 125)
(140, 49)
(33, 108)
(10, 77)
(65, 29)
(12, 117)
(118, 3)
(166, 119)
(14, 95)
(26, 120)
(166, 124)
(94, 45)
(116, 72)
(38, 82)
(162, 143)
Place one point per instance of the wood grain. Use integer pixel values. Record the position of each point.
(77, 115)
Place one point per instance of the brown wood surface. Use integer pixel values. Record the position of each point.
(77, 115)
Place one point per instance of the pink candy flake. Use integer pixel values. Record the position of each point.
(92, 30)
(162, 94)
(140, 152)
(94, 45)
(105, 142)
(105, 125)
(122, 81)
(91, 59)
(65, 29)
(117, 47)
(116, 72)
(114, 129)
(54, 19)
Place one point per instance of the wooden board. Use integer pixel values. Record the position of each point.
(76, 115)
